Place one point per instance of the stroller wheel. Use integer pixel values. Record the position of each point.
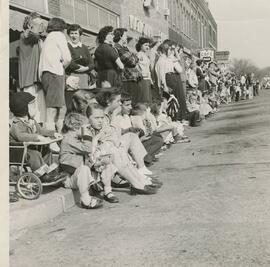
(29, 186)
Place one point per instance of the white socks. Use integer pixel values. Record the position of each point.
(145, 171)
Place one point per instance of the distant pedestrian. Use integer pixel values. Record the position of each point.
(201, 75)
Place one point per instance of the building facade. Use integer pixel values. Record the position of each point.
(192, 24)
(91, 15)
(145, 18)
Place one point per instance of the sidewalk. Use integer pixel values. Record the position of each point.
(27, 213)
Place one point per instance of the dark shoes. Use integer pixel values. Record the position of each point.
(94, 204)
(156, 181)
(120, 184)
(148, 190)
(111, 198)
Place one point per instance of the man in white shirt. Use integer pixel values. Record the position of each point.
(55, 57)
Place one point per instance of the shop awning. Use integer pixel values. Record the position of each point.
(16, 19)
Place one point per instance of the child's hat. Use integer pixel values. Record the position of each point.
(18, 103)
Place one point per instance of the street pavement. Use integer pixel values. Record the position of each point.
(213, 209)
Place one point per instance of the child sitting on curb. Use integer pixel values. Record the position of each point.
(25, 129)
(108, 141)
(77, 159)
(151, 141)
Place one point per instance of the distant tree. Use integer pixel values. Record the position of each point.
(265, 72)
(246, 66)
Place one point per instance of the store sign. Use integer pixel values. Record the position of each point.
(222, 55)
(139, 26)
(207, 54)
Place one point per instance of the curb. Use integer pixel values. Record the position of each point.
(28, 213)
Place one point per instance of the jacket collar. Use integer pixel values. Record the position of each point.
(79, 44)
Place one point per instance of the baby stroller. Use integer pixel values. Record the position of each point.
(28, 185)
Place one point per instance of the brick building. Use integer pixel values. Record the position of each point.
(145, 18)
(91, 15)
(192, 24)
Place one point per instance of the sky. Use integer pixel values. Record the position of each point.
(243, 28)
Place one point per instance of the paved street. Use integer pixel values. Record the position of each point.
(213, 209)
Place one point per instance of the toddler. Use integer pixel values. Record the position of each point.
(25, 129)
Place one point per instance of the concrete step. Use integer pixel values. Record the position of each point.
(27, 213)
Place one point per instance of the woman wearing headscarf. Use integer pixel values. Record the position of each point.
(29, 49)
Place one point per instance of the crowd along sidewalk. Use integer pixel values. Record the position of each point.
(27, 213)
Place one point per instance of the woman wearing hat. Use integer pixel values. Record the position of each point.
(29, 50)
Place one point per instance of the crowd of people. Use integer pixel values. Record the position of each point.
(126, 108)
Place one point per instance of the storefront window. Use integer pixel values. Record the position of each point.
(37, 5)
(66, 9)
(80, 12)
(93, 20)
(103, 18)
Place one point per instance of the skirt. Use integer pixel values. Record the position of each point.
(144, 92)
(202, 85)
(131, 88)
(54, 89)
(111, 76)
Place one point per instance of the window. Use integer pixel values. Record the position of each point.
(37, 5)
(66, 9)
(113, 20)
(93, 21)
(156, 2)
(80, 12)
(103, 18)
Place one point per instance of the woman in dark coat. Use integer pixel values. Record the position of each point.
(109, 65)
(201, 75)
(131, 76)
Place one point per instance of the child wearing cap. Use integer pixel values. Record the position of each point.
(25, 129)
